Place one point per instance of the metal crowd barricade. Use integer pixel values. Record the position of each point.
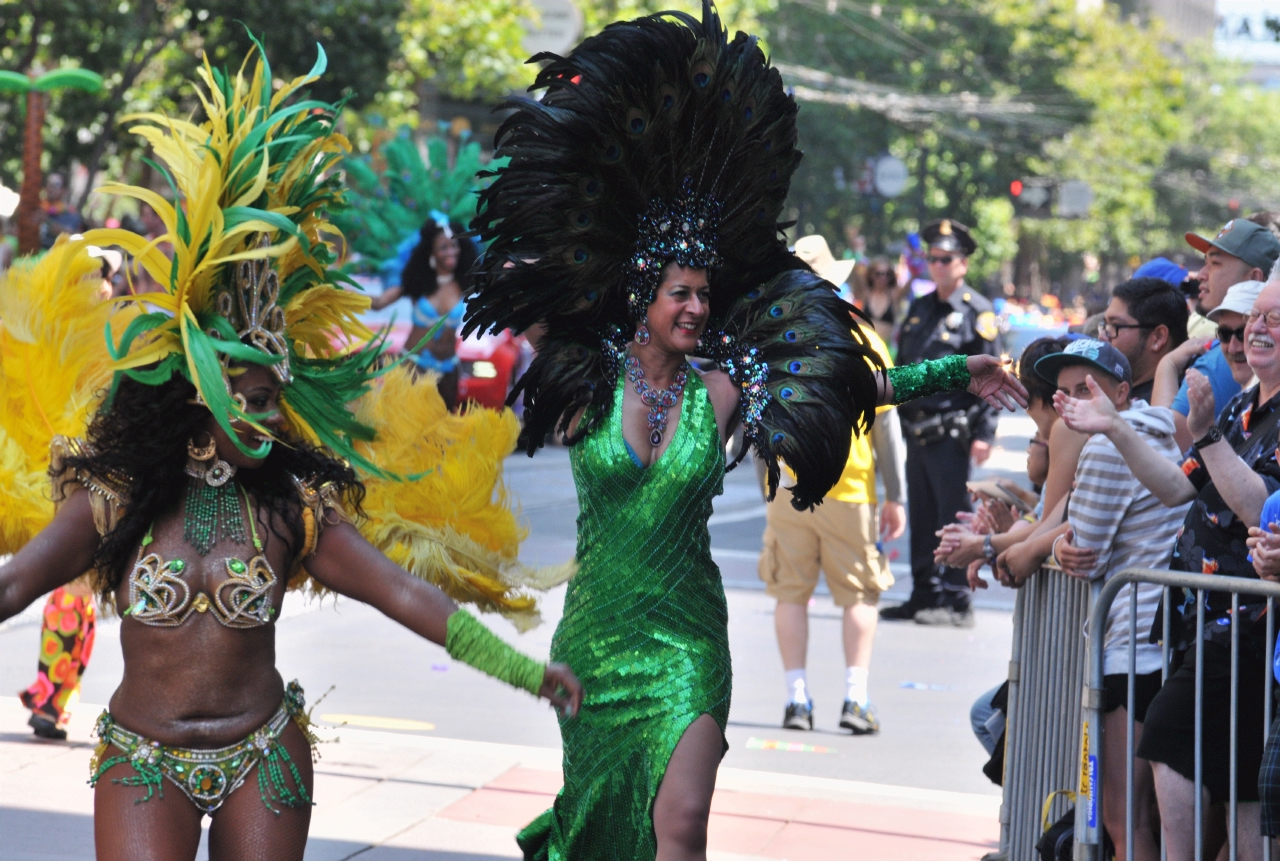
(1042, 730)
(1088, 835)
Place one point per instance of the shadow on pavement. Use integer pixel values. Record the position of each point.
(39, 835)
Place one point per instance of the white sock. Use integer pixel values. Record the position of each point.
(856, 679)
(797, 690)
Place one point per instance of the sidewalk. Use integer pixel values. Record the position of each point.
(399, 796)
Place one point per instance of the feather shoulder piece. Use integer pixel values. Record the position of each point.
(453, 523)
(808, 378)
(54, 367)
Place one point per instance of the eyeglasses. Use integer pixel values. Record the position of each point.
(1271, 318)
(1112, 330)
(944, 260)
(1225, 335)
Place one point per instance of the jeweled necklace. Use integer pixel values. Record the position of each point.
(212, 506)
(658, 400)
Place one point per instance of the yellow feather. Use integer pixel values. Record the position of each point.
(453, 525)
(54, 366)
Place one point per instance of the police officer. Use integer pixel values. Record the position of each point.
(944, 432)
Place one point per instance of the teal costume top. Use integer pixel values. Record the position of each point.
(645, 628)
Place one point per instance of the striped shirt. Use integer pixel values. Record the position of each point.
(1113, 513)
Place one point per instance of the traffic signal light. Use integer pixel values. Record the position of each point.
(1032, 197)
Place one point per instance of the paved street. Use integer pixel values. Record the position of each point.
(430, 760)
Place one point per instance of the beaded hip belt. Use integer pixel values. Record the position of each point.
(208, 777)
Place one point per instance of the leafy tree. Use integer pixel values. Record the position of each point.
(964, 92)
(146, 50)
(467, 49)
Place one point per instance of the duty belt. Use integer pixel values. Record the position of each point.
(937, 427)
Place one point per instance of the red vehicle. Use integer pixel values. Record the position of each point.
(485, 365)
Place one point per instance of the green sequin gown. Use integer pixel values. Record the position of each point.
(645, 628)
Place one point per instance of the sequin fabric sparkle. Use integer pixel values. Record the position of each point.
(644, 628)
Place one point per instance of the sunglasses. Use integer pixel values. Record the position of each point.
(1225, 335)
(884, 272)
(944, 260)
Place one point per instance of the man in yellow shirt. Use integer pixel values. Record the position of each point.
(839, 538)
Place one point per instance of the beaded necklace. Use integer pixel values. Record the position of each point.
(209, 510)
(659, 401)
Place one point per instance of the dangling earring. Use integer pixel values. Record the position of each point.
(214, 474)
(202, 454)
(642, 331)
(432, 260)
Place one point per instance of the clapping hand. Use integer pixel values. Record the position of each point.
(1095, 415)
(1264, 546)
(989, 380)
(1200, 404)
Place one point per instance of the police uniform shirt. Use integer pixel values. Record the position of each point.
(934, 329)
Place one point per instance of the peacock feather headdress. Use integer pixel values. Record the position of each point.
(249, 279)
(661, 140)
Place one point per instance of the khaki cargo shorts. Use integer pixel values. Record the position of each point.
(838, 538)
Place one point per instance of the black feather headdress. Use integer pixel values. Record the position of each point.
(661, 140)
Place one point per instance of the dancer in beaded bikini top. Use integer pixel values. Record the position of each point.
(221, 470)
(636, 224)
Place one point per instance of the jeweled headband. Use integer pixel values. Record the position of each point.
(680, 231)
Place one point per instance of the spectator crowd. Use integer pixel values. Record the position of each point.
(1156, 447)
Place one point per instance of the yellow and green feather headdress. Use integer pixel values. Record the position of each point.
(249, 280)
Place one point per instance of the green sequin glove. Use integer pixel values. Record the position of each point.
(928, 378)
(469, 641)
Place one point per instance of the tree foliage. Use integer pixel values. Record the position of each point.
(469, 50)
(146, 50)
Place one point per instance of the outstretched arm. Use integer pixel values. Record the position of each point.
(984, 376)
(349, 565)
(59, 554)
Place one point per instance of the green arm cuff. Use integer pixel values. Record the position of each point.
(928, 378)
(467, 640)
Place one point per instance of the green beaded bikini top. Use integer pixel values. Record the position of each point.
(158, 595)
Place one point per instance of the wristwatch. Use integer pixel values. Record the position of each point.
(988, 550)
(1213, 435)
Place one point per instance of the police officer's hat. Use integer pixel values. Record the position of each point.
(947, 234)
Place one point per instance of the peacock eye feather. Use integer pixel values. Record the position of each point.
(776, 311)
(790, 336)
(778, 438)
(786, 393)
(795, 367)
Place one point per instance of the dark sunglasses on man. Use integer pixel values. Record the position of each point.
(942, 259)
(1225, 334)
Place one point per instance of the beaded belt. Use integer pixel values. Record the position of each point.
(208, 777)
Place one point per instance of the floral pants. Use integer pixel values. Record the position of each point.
(66, 641)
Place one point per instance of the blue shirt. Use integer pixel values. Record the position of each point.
(1215, 366)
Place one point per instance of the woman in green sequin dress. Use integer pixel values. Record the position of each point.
(646, 182)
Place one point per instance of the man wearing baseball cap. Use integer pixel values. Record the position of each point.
(1113, 523)
(1243, 250)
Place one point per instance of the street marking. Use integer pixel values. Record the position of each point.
(378, 722)
(754, 743)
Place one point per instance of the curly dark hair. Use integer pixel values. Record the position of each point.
(419, 277)
(141, 437)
